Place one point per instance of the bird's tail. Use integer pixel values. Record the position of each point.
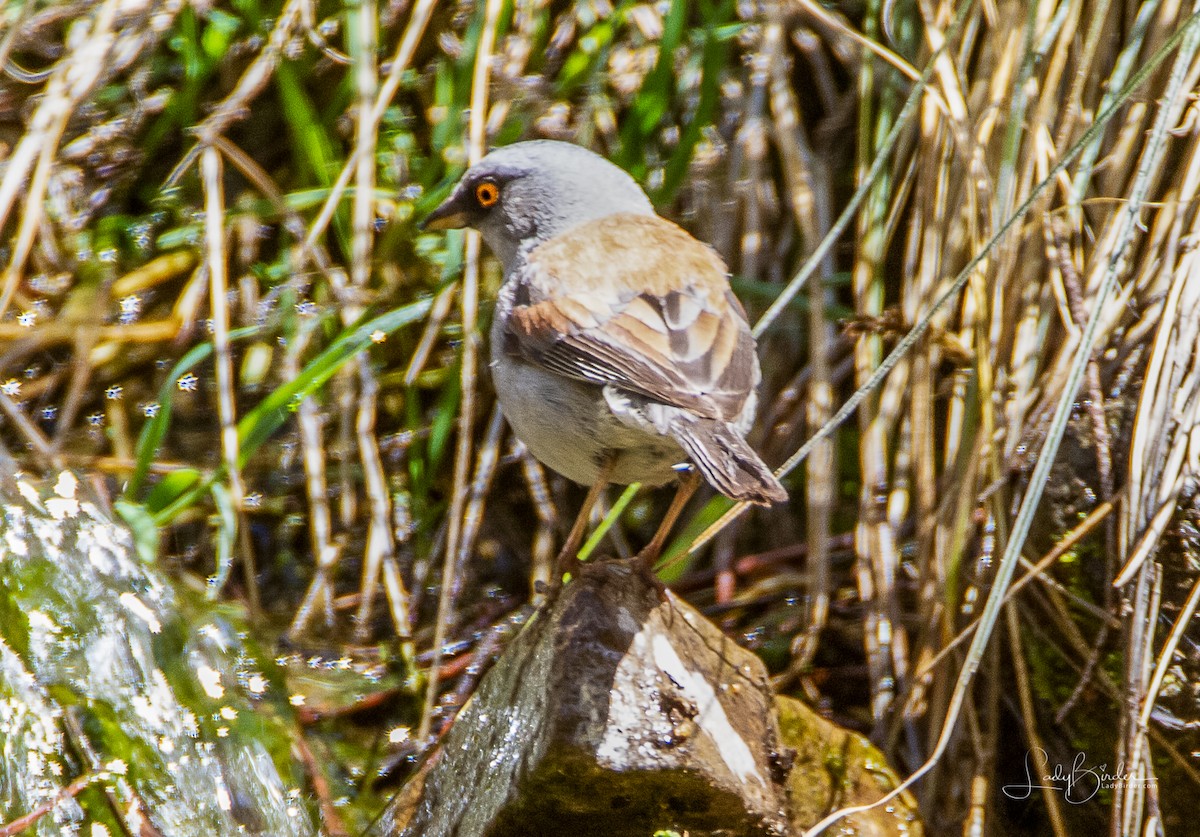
(726, 461)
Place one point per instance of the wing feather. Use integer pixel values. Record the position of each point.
(635, 301)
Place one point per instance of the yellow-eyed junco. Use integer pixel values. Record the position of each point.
(619, 352)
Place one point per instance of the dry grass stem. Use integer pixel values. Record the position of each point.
(469, 306)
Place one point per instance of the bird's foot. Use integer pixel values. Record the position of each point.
(645, 560)
(598, 566)
(643, 564)
(566, 562)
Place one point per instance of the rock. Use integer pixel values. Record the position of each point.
(177, 722)
(834, 768)
(615, 712)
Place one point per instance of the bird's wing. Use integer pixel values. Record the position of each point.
(634, 301)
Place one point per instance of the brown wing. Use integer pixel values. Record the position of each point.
(635, 301)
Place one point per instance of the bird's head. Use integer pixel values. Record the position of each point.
(526, 193)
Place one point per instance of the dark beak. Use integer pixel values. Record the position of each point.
(451, 215)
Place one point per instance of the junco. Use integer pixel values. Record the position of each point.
(619, 352)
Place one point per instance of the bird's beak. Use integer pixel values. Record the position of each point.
(451, 215)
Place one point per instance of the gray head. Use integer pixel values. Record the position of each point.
(531, 191)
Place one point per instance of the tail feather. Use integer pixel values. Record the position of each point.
(726, 461)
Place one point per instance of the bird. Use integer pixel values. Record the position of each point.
(619, 352)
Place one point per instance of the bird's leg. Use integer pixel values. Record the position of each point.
(644, 561)
(579, 527)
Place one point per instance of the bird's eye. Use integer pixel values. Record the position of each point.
(487, 193)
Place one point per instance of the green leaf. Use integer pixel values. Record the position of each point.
(314, 146)
(714, 59)
(614, 514)
(671, 567)
(154, 430)
(444, 419)
(654, 99)
(227, 522)
(141, 523)
(219, 33)
(593, 46)
(258, 425)
(170, 488)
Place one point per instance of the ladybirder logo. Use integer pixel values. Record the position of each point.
(1078, 781)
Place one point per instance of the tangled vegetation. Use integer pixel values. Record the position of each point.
(969, 231)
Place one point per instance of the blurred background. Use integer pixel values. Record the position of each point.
(217, 310)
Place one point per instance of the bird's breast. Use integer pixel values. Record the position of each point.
(568, 426)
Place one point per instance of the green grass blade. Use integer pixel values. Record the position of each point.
(155, 430)
(614, 514)
(258, 425)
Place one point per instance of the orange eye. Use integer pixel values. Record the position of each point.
(487, 193)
